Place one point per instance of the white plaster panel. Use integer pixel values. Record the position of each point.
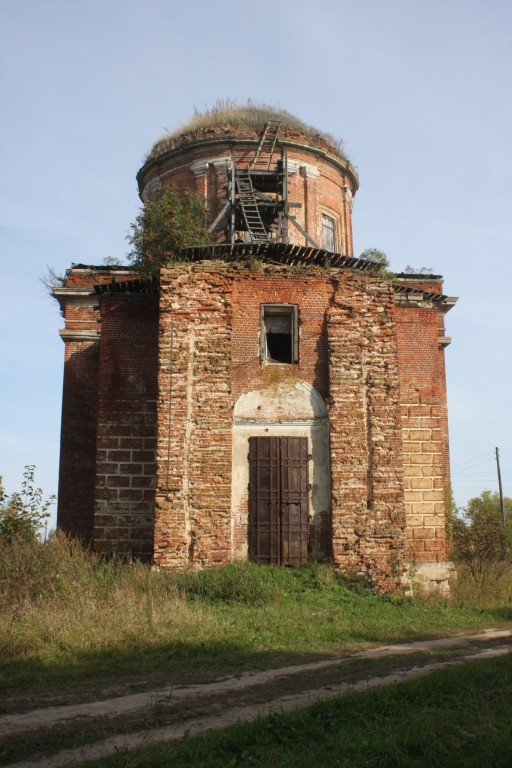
(296, 411)
(280, 402)
(200, 167)
(308, 169)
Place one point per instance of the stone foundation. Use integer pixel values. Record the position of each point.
(433, 577)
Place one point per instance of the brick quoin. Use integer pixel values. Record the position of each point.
(421, 344)
(162, 381)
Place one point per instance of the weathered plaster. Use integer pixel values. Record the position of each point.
(283, 409)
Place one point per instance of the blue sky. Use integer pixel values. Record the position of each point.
(419, 92)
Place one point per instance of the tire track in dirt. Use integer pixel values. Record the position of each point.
(66, 715)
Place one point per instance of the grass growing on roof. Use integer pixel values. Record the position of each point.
(252, 114)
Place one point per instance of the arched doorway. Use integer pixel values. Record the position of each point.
(281, 475)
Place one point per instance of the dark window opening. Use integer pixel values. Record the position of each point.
(279, 333)
(279, 347)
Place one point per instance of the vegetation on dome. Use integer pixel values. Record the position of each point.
(253, 115)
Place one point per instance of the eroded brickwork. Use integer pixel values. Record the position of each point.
(147, 430)
(193, 521)
(210, 318)
(165, 385)
(311, 291)
(368, 524)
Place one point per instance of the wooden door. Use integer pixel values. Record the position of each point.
(278, 500)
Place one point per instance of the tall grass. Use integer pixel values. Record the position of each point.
(58, 596)
(253, 114)
(485, 586)
(66, 614)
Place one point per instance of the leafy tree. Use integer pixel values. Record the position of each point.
(480, 538)
(164, 227)
(374, 254)
(380, 259)
(23, 512)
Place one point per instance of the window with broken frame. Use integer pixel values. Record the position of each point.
(279, 333)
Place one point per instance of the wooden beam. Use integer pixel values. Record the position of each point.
(301, 229)
(219, 217)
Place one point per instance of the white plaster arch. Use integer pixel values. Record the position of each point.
(280, 403)
(291, 409)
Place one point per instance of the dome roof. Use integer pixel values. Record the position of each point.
(231, 120)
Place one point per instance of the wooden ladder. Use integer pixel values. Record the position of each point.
(249, 206)
(267, 143)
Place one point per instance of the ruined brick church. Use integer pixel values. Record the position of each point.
(270, 398)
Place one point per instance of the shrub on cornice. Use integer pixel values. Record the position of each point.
(164, 227)
(377, 256)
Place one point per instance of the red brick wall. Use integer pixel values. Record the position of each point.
(78, 440)
(317, 182)
(193, 497)
(169, 372)
(424, 430)
(312, 292)
(126, 434)
(75, 513)
(216, 357)
(214, 327)
(368, 534)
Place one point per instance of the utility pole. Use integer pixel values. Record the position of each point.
(500, 487)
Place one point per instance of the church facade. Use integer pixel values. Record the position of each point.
(270, 398)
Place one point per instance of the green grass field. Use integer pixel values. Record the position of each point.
(71, 624)
(458, 717)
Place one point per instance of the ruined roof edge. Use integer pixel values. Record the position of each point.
(327, 152)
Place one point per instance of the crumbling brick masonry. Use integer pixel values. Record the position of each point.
(269, 398)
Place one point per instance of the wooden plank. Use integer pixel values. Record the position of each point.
(294, 500)
(264, 500)
(278, 500)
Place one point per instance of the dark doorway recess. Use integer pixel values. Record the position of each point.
(278, 500)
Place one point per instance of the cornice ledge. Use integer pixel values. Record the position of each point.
(411, 299)
(78, 296)
(447, 303)
(88, 334)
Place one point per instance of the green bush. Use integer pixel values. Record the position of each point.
(165, 227)
(480, 539)
(23, 512)
(483, 587)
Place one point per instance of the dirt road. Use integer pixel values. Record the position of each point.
(171, 712)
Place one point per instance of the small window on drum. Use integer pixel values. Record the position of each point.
(328, 233)
(279, 333)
